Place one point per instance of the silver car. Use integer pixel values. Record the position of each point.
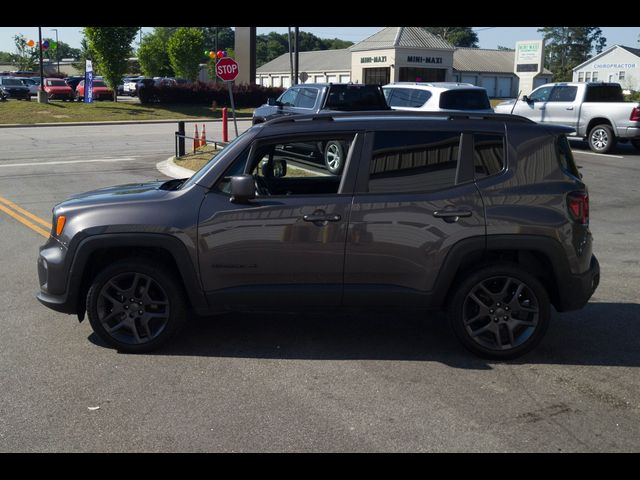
(437, 97)
(32, 83)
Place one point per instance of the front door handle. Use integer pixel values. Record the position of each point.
(452, 216)
(569, 108)
(320, 218)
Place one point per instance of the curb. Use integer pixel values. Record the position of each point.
(170, 169)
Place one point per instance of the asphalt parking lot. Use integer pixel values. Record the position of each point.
(304, 382)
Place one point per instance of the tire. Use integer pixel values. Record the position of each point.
(490, 320)
(601, 139)
(139, 300)
(335, 156)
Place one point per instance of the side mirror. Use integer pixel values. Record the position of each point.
(271, 102)
(243, 188)
(526, 99)
(279, 168)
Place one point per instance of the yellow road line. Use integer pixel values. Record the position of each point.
(30, 215)
(24, 221)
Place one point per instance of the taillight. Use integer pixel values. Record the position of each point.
(578, 203)
(635, 114)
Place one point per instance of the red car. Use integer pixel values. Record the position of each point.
(57, 88)
(100, 91)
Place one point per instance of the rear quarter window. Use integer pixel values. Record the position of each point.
(464, 100)
(488, 154)
(565, 156)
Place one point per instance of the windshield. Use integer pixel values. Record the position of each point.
(215, 159)
(11, 81)
(56, 83)
(98, 83)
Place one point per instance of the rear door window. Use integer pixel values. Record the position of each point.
(563, 93)
(422, 161)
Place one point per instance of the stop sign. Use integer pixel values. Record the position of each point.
(227, 69)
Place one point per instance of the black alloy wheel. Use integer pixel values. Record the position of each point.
(500, 312)
(135, 306)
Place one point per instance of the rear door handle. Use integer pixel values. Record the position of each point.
(451, 216)
(320, 218)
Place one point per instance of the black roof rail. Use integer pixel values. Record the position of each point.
(332, 116)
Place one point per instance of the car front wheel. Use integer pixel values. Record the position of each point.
(135, 305)
(499, 312)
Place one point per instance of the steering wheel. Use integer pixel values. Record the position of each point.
(262, 188)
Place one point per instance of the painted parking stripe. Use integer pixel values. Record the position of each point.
(24, 221)
(599, 154)
(62, 162)
(24, 212)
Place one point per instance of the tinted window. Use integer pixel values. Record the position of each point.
(488, 154)
(11, 81)
(565, 157)
(413, 161)
(406, 97)
(56, 83)
(306, 97)
(563, 94)
(464, 100)
(98, 83)
(604, 93)
(355, 97)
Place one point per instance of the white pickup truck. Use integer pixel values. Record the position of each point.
(597, 111)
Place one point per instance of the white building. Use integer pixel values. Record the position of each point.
(401, 54)
(617, 64)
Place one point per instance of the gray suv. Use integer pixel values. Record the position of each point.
(484, 217)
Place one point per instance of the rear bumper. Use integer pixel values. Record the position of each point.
(629, 132)
(576, 290)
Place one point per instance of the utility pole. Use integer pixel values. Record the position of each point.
(297, 56)
(42, 95)
(57, 49)
(290, 57)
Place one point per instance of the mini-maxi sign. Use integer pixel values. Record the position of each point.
(227, 69)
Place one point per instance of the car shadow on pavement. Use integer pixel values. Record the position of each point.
(604, 334)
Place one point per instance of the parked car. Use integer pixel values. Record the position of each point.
(597, 112)
(33, 84)
(73, 81)
(129, 85)
(437, 97)
(12, 87)
(57, 89)
(100, 90)
(323, 97)
(411, 222)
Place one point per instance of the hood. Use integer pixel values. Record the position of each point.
(121, 193)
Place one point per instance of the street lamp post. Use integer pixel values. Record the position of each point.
(57, 49)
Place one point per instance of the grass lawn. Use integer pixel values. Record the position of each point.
(19, 111)
(193, 161)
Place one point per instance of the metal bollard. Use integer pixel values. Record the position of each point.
(225, 131)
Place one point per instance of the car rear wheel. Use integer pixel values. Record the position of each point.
(136, 306)
(499, 312)
(601, 139)
(636, 143)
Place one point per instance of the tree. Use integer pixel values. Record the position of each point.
(62, 49)
(273, 44)
(457, 36)
(226, 38)
(505, 49)
(568, 47)
(153, 55)
(85, 54)
(25, 58)
(112, 48)
(186, 52)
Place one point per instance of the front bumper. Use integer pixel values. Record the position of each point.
(53, 276)
(576, 290)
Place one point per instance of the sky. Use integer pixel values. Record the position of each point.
(489, 37)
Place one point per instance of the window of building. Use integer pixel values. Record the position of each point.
(376, 76)
(621, 76)
(587, 77)
(414, 74)
(594, 77)
(581, 76)
(488, 154)
(413, 161)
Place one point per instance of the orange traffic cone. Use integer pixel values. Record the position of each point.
(203, 139)
(196, 140)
